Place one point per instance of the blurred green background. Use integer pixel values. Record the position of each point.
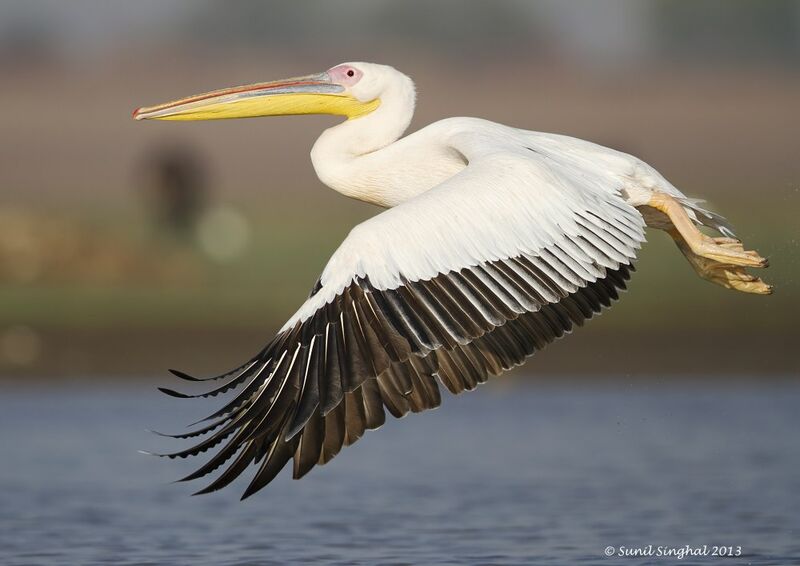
(127, 248)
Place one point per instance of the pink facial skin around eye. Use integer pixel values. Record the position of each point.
(345, 75)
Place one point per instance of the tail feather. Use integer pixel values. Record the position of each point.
(710, 219)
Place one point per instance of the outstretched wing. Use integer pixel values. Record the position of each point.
(460, 283)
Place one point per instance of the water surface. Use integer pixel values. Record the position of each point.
(514, 475)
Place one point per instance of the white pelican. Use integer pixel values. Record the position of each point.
(495, 242)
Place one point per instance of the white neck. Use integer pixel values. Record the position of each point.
(339, 153)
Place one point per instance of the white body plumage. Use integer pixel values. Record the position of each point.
(499, 186)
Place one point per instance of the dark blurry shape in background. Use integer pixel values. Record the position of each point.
(126, 248)
(176, 188)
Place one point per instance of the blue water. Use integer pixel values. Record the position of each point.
(536, 474)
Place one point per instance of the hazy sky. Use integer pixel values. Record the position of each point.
(614, 32)
(613, 29)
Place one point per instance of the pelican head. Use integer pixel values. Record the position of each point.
(350, 89)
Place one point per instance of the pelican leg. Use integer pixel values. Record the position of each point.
(719, 260)
(725, 274)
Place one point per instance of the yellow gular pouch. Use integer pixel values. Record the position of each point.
(277, 105)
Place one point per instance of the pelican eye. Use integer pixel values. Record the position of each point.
(350, 73)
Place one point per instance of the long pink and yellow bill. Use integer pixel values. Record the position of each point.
(312, 94)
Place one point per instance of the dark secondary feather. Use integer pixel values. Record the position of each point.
(320, 385)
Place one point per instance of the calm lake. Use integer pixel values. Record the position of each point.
(516, 474)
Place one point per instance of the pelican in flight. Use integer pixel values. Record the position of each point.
(495, 241)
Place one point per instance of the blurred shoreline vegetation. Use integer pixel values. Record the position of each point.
(176, 298)
(126, 248)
